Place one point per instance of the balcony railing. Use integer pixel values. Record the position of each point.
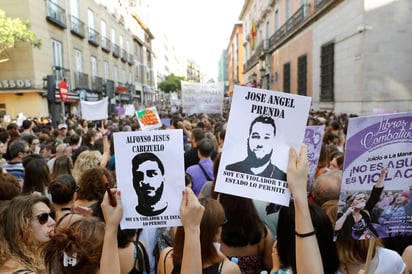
(81, 80)
(106, 44)
(320, 3)
(77, 27)
(94, 37)
(116, 51)
(291, 25)
(124, 55)
(61, 73)
(97, 83)
(130, 59)
(56, 14)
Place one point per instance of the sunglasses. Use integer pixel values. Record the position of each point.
(44, 217)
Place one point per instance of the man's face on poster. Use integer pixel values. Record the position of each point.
(260, 143)
(148, 182)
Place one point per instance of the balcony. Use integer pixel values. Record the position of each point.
(291, 25)
(320, 3)
(97, 84)
(81, 80)
(94, 37)
(77, 27)
(116, 51)
(60, 73)
(56, 14)
(130, 60)
(259, 49)
(124, 56)
(106, 44)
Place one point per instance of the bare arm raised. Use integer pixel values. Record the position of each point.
(109, 262)
(308, 258)
(191, 213)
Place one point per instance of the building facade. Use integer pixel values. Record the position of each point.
(99, 49)
(340, 52)
(235, 59)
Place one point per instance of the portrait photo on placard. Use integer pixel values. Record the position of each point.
(150, 176)
(262, 125)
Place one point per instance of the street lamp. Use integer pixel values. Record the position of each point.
(262, 76)
(254, 76)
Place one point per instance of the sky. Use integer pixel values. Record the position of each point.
(201, 29)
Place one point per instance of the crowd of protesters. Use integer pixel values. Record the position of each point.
(52, 198)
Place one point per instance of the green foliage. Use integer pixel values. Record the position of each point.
(171, 83)
(14, 30)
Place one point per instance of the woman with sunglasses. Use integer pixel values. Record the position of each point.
(171, 260)
(29, 225)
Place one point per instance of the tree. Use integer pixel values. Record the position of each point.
(13, 31)
(171, 83)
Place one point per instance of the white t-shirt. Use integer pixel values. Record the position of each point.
(389, 261)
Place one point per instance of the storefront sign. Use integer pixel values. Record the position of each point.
(15, 84)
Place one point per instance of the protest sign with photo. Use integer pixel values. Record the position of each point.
(313, 139)
(367, 210)
(148, 118)
(150, 176)
(262, 126)
(202, 98)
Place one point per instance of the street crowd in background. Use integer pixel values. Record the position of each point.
(56, 218)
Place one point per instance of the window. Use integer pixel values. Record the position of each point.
(94, 66)
(58, 60)
(78, 60)
(276, 20)
(124, 76)
(113, 34)
(288, 9)
(115, 76)
(136, 72)
(103, 28)
(57, 54)
(74, 8)
(90, 18)
(286, 78)
(302, 75)
(121, 41)
(106, 70)
(327, 72)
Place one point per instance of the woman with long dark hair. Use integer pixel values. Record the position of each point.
(213, 261)
(245, 235)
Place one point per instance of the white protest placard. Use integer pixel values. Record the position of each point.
(130, 110)
(373, 142)
(262, 126)
(96, 110)
(202, 98)
(150, 176)
(148, 118)
(313, 139)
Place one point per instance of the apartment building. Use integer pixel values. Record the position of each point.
(235, 59)
(99, 49)
(349, 55)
